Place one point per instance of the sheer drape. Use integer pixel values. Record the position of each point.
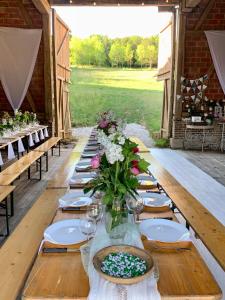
(216, 41)
(18, 54)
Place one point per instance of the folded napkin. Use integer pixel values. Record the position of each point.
(20, 146)
(36, 137)
(31, 141)
(1, 161)
(101, 289)
(41, 135)
(11, 154)
(46, 132)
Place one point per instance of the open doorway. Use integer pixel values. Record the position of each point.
(114, 66)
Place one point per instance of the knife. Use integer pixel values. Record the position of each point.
(60, 250)
(157, 218)
(73, 209)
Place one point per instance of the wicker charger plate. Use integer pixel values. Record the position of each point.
(100, 256)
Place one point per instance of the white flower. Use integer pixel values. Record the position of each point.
(121, 140)
(114, 153)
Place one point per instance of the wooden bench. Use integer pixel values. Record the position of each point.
(210, 231)
(10, 174)
(5, 191)
(61, 179)
(20, 249)
(51, 143)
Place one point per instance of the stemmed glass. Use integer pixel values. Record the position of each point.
(95, 212)
(88, 228)
(135, 205)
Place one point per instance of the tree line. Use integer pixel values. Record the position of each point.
(99, 50)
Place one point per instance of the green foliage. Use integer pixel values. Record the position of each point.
(134, 95)
(162, 143)
(98, 50)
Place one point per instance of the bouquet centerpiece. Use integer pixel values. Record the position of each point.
(119, 164)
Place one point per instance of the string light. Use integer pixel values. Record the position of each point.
(94, 3)
(71, 1)
(118, 4)
(142, 3)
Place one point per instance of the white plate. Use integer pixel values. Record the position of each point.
(155, 200)
(89, 154)
(80, 180)
(164, 230)
(74, 201)
(65, 232)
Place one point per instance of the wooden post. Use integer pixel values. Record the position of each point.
(172, 79)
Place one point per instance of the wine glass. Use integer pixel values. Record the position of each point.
(88, 228)
(94, 212)
(135, 205)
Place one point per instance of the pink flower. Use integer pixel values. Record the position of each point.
(135, 150)
(95, 162)
(135, 171)
(103, 124)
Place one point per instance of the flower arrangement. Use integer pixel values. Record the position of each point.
(119, 164)
(108, 124)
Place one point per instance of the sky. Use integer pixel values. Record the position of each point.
(113, 21)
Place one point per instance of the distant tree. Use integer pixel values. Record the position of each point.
(153, 55)
(142, 54)
(129, 54)
(117, 54)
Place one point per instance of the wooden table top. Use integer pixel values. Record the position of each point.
(208, 228)
(183, 274)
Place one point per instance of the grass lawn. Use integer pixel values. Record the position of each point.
(134, 95)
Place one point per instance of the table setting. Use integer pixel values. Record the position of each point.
(111, 239)
(13, 129)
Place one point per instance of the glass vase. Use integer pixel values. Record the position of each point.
(116, 218)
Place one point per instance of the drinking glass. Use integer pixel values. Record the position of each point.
(135, 205)
(94, 212)
(88, 228)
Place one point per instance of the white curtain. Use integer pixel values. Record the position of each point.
(18, 54)
(216, 41)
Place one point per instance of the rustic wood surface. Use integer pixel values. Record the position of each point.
(19, 251)
(48, 144)
(208, 228)
(183, 275)
(5, 191)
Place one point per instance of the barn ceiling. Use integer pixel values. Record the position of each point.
(115, 2)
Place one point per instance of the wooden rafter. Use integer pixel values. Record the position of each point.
(42, 6)
(204, 14)
(115, 2)
(25, 13)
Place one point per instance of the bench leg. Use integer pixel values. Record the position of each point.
(52, 151)
(59, 147)
(46, 157)
(40, 174)
(7, 217)
(28, 173)
(12, 204)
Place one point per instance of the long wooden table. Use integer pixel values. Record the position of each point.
(183, 274)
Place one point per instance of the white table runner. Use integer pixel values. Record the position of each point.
(101, 289)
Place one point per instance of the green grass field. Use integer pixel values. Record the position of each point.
(134, 95)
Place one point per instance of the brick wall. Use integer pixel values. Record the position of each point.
(197, 57)
(11, 16)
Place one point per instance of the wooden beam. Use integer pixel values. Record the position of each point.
(192, 3)
(25, 13)
(31, 101)
(42, 6)
(48, 72)
(204, 14)
(62, 42)
(114, 2)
